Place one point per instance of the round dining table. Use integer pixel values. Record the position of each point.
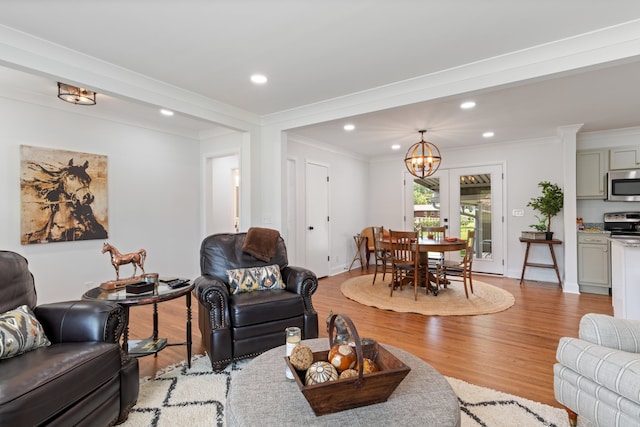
(426, 245)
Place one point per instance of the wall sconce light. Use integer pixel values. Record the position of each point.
(423, 158)
(76, 95)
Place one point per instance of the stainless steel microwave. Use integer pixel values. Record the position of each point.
(623, 186)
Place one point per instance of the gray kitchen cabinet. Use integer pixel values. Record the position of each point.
(594, 263)
(591, 169)
(624, 158)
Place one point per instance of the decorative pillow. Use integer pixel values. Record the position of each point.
(255, 279)
(20, 332)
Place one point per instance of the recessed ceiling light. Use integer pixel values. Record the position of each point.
(395, 147)
(467, 105)
(488, 134)
(349, 127)
(166, 112)
(259, 79)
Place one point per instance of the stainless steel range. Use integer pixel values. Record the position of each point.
(623, 224)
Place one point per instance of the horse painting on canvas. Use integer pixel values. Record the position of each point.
(58, 203)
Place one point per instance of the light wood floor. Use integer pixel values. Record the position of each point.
(511, 351)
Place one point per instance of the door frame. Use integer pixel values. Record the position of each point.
(445, 175)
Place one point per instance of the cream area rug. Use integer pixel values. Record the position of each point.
(450, 301)
(179, 396)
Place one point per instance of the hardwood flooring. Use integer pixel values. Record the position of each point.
(511, 351)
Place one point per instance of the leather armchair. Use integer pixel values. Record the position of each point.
(236, 326)
(598, 375)
(83, 377)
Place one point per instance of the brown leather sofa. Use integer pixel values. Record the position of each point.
(82, 378)
(236, 326)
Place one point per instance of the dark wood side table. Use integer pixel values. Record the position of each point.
(526, 262)
(153, 344)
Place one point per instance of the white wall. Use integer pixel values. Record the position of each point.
(349, 191)
(154, 193)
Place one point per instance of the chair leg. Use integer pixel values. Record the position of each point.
(464, 281)
(573, 417)
(471, 281)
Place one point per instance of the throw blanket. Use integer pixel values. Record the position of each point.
(261, 243)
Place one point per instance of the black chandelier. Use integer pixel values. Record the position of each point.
(423, 158)
(76, 95)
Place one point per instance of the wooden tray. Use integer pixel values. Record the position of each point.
(334, 396)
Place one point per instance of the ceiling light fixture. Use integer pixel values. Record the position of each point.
(395, 147)
(488, 134)
(467, 105)
(166, 112)
(349, 127)
(259, 79)
(76, 95)
(423, 158)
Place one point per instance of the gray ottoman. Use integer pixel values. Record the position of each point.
(260, 394)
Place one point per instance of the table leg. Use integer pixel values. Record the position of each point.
(524, 264)
(188, 297)
(555, 263)
(125, 334)
(155, 325)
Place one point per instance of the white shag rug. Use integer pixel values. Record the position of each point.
(178, 396)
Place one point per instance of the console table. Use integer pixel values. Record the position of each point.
(526, 262)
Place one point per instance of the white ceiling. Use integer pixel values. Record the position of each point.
(323, 51)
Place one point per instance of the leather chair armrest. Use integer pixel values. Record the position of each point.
(301, 281)
(81, 321)
(213, 294)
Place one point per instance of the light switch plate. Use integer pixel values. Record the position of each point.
(518, 212)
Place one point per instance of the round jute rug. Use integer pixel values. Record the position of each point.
(450, 301)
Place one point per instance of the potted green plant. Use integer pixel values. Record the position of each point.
(549, 204)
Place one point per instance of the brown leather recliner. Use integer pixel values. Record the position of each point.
(236, 326)
(83, 377)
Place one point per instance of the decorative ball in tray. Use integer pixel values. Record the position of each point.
(331, 382)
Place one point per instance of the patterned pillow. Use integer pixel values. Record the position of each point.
(255, 279)
(20, 332)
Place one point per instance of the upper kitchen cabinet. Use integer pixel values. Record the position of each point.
(624, 158)
(591, 169)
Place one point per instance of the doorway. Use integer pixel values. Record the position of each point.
(461, 199)
(222, 194)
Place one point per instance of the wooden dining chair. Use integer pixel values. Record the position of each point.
(437, 233)
(405, 260)
(381, 255)
(367, 234)
(462, 268)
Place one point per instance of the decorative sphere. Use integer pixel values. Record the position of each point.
(342, 356)
(368, 366)
(320, 372)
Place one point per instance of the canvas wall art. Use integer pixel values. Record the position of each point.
(63, 195)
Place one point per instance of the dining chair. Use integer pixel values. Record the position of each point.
(405, 260)
(368, 245)
(462, 268)
(435, 233)
(382, 256)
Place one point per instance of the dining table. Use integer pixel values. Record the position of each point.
(426, 245)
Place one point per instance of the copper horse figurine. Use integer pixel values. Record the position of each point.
(118, 259)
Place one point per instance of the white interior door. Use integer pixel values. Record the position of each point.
(462, 199)
(317, 194)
